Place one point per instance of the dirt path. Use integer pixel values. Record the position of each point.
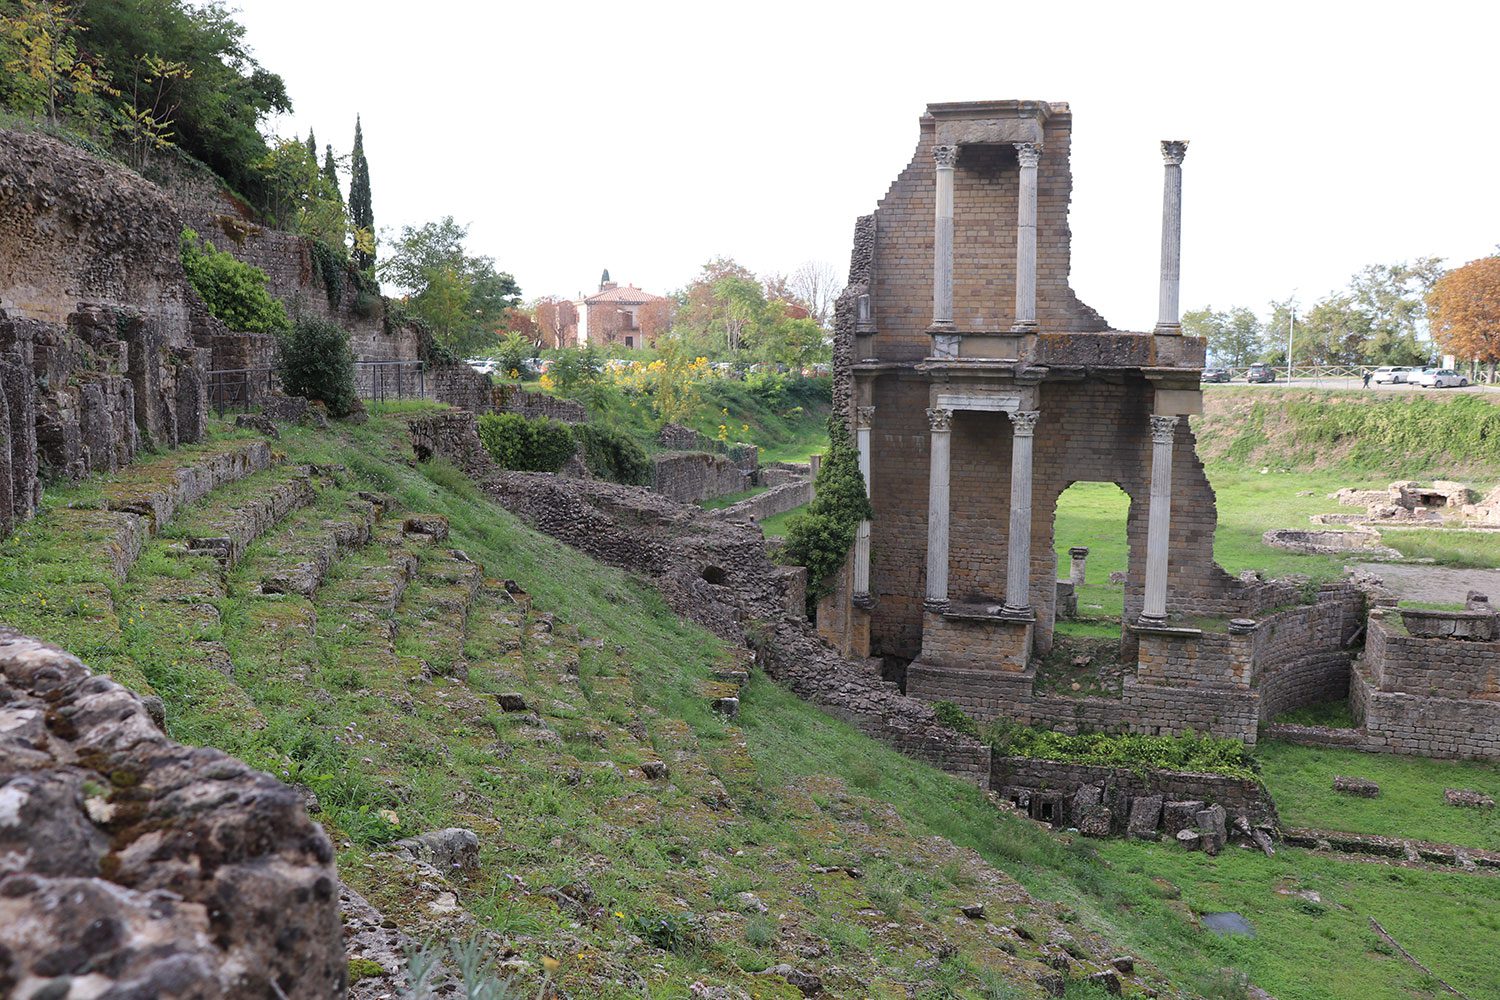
(1440, 584)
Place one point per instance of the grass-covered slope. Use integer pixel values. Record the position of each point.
(376, 690)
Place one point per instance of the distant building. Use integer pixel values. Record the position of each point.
(617, 314)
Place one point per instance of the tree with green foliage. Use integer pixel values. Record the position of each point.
(821, 536)
(314, 360)
(514, 352)
(459, 296)
(331, 174)
(1234, 335)
(312, 145)
(234, 291)
(43, 72)
(361, 210)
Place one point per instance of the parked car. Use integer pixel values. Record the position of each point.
(1260, 372)
(1390, 375)
(1438, 378)
(1216, 375)
(484, 366)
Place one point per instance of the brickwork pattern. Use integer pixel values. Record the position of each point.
(691, 476)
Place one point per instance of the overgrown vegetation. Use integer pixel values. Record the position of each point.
(526, 444)
(315, 360)
(234, 292)
(820, 537)
(613, 455)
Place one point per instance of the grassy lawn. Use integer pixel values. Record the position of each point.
(1410, 803)
(775, 525)
(1306, 949)
(729, 500)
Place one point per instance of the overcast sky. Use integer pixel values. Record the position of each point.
(647, 137)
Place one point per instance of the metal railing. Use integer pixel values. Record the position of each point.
(382, 380)
(239, 388)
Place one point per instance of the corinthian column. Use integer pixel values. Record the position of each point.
(1028, 153)
(1018, 546)
(1159, 520)
(941, 423)
(945, 157)
(1172, 151)
(864, 416)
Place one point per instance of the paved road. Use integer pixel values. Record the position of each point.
(1348, 383)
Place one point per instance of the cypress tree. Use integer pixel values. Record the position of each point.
(331, 173)
(312, 145)
(361, 213)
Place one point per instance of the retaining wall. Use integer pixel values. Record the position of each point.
(691, 476)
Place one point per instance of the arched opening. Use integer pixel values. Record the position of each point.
(1090, 532)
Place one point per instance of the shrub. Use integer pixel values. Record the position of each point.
(330, 263)
(676, 932)
(526, 444)
(613, 455)
(950, 715)
(315, 361)
(1203, 754)
(820, 537)
(235, 292)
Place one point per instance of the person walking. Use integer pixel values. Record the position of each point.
(1367, 378)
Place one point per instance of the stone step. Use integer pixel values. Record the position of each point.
(232, 519)
(433, 615)
(298, 555)
(158, 489)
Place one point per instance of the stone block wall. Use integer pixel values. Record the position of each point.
(691, 476)
(104, 346)
(510, 399)
(463, 387)
(1432, 697)
(1300, 654)
(1012, 776)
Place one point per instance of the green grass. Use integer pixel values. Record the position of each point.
(1305, 950)
(1410, 803)
(1334, 714)
(719, 503)
(775, 525)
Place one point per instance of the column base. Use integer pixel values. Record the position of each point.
(1168, 330)
(937, 605)
(1024, 613)
(864, 602)
(945, 340)
(1027, 326)
(1151, 621)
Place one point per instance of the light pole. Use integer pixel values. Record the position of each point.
(1291, 328)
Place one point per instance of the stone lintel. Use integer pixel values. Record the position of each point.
(1167, 631)
(1178, 402)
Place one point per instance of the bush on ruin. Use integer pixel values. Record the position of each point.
(821, 536)
(315, 361)
(235, 292)
(526, 444)
(613, 455)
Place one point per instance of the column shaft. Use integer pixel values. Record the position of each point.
(863, 419)
(1018, 546)
(1168, 320)
(1159, 520)
(945, 158)
(941, 422)
(1028, 153)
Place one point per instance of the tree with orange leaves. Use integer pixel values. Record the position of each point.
(1464, 311)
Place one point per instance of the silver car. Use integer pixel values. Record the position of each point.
(1390, 374)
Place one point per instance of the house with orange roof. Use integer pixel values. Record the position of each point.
(620, 315)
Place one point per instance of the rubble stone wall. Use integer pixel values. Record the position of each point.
(691, 476)
(776, 500)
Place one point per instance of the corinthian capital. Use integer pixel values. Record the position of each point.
(1173, 150)
(864, 417)
(945, 156)
(939, 419)
(1163, 429)
(1024, 422)
(1029, 153)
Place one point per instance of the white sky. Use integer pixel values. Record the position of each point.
(646, 137)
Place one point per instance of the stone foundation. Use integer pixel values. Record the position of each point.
(691, 476)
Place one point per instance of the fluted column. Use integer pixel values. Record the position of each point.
(945, 158)
(1172, 151)
(941, 423)
(1159, 520)
(1028, 153)
(864, 417)
(1018, 546)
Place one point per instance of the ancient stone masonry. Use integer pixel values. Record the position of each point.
(467, 389)
(137, 867)
(290, 261)
(104, 346)
(979, 388)
(691, 476)
(713, 572)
